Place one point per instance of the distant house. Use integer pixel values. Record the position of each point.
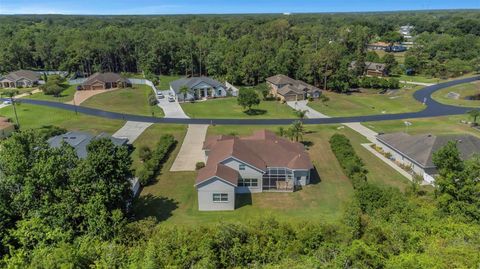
(406, 31)
(198, 88)
(80, 140)
(103, 81)
(20, 79)
(416, 151)
(290, 89)
(386, 47)
(372, 69)
(6, 128)
(258, 163)
(396, 48)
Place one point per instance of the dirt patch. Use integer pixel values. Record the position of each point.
(82, 96)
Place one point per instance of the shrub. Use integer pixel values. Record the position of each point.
(199, 165)
(152, 99)
(151, 167)
(144, 153)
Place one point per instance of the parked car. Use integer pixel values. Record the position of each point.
(160, 95)
(171, 99)
(7, 102)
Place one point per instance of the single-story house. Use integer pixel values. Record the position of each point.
(80, 140)
(372, 69)
(406, 31)
(103, 81)
(6, 127)
(290, 89)
(20, 79)
(198, 88)
(416, 151)
(258, 163)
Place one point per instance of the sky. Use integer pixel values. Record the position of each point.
(140, 7)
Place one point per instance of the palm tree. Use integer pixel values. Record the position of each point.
(474, 114)
(297, 130)
(301, 114)
(184, 91)
(10, 94)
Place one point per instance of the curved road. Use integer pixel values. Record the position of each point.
(433, 109)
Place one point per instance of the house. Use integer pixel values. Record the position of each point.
(6, 128)
(372, 69)
(198, 88)
(290, 89)
(378, 46)
(80, 140)
(416, 151)
(103, 81)
(258, 163)
(20, 79)
(406, 31)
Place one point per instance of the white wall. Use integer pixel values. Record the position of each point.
(302, 177)
(249, 172)
(205, 195)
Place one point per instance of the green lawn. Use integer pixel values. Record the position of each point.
(173, 197)
(438, 125)
(19, 90)
(465, 90)
(399, 56)
(228, 108)
(65, 96)
(165, 81)
(128, 101)
(368, 102)
(424, 79)
(32, 116)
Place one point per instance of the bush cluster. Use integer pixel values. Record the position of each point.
(153, 163)
(351, 164)
(152, 99)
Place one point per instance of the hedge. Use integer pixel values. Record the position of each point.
(352, 165)
(151, 166)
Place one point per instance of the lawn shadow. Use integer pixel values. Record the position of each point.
(255, 112)
(315, 177)
(160, 208)
(243, 199)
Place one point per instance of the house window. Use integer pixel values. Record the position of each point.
(241, 167)
(248, 182)
(219, 92)
(220, 197)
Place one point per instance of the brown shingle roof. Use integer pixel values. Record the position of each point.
(221, 171)
(261, 150)
(16, 75)
(108, 77)
(420, 148)
(291, 85)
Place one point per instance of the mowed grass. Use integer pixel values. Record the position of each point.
(65, 96)
(33, 116)
(399, 56)
(368, 102)
(128, 101)
(173, 198)
(464, 90)
(165, 81)
(19, 90)
(437, 125)
(228, 108)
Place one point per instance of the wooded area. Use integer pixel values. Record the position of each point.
(244, 49)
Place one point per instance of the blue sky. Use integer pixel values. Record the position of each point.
(221, 6)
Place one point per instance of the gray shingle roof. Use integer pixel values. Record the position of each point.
(192, 81)
(291, 85)
(80, 140)
(108, 77)
(27, 74)
(420, 148)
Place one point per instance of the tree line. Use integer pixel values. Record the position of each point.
(243, 49)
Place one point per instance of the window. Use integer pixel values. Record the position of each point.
(241, 167)
(219, 92)
(248, 182)
(220, 197)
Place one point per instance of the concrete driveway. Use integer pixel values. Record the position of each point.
(191, 151)
(302, 105)
(171, 109)
(132, 130)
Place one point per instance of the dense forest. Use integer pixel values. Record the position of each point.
(57, 211)
(244, 49)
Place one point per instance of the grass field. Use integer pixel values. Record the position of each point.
(19, 90)
(439, 125)
(165, 81)
(368, 102)
(173, 198)
(399, 56)
(65, 96)
(464, 90)
(128, 101)
(32, 116)
(228, 108)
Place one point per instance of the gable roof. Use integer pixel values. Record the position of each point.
(291, 85)
(370, 66)
(420, 148)
(193, 81)
(20, 74)
(220, 171)
(108, 77)
(80, 140)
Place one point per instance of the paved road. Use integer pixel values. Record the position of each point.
(433, 109)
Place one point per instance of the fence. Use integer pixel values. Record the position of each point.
(231, 88)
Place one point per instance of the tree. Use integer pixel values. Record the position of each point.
(296, 130)
(183, 91)
(248, 98)
(390, 62)
(53, 86)
(301, 114)
(474, 114)
(144, 153)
